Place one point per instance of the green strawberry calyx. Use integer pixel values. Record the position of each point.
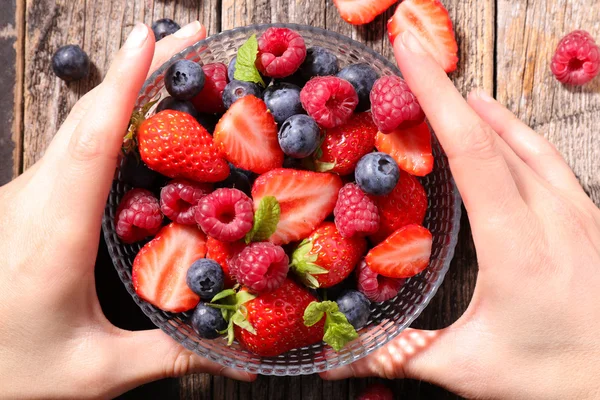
(304, 264)
(245, 64)
(338, 331)
(320, 166)
(266, 219)
(231, 303)
(137, 117)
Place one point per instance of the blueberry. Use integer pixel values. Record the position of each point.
(208, 121)
(164, 27)
(283, 100)
(362, 77)
(205, 278)
(70, 63)
(184, 79)
(377, 173)
(169, 103)
(319, 62)
(238, 179)
(208, 321)
(356, 307)
(295, 79)
(137, 174)
(299, 136)
(292, 163)
(235, 90)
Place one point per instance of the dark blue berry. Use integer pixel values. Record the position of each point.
(205, 278)
(377, 173)
(235, 90)
(295, 79)
(208, 321)
(137, 174)
(283, 100)
(292, 163)
(169, 103)
(208, 121)
(319, 62)
(164, 27)
(70, 63)
(362, 77)
(238, 179)
(356, 307)
(299, 136)
(184, 79)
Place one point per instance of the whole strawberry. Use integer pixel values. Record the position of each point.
(176, 145)
(277, 321)
(345, 145)
(326, 258)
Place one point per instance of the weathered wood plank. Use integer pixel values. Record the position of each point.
(528, 33)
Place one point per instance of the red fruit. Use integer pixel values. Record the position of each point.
(402, 255)
(359, 12)
(160, 268)
(138, 216)
(223, 252)
(306, 198)
(329, 100)
(225, 214)
(410, 148)
(174, 144)
(577, 59)
(210, 99)
(345, 145)
(178, 200)
(429, 22)
(355, 213)
(261, 267)
(281, 51)
(278, 319)
(376, 391)
(326, 258)
(394, 105)
(247, 136)
(377, 288)
(405, 205)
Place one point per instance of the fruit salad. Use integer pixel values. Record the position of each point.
(267, 185)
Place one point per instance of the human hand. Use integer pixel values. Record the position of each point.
(532, 328)
(54, 340)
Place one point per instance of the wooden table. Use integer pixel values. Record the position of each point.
(505, 48)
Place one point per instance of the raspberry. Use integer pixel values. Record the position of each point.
(225, 214)
(261, 267)
(376, 287)
(178, 200)
(222, 253)
(355, 212)
(138, 216)
(210, 99)
(376, 391)
(394, 105)
(329, 100)
(577, 59)
(281, 51)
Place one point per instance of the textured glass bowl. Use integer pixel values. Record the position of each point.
(387, 319)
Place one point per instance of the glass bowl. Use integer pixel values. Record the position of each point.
(388, 319)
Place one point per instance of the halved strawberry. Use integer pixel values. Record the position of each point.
(306, 198)
(410, 148)
(358, 12)
(247, 136)
(429, 22)
(160, 268)
(404, 254)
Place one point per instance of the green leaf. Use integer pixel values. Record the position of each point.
(245, 65)
(230, 333)
(266, 219)
(244, 297)
(240, 320)
(223, 294)
(324, 166)
(315, 311)
(304, 264)
(338, 331)
(137, 117)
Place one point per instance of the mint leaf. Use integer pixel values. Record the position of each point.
(245, 64)
(304, 264)
(338, 331)
(266, 219)
(315, 311)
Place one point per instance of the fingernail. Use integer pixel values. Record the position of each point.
(189, 30)
(412, 43)
(137, 36)
(484, 96)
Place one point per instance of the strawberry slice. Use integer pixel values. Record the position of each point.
(410, 148)
(359, 12)
(160, 268)
(306, 198)
(429, 22)
(404, 254)
(247, 136)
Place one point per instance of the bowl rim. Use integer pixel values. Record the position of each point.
(227, 360)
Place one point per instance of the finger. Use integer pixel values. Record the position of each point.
(478, 166)
(539, 154)
(173, 44)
